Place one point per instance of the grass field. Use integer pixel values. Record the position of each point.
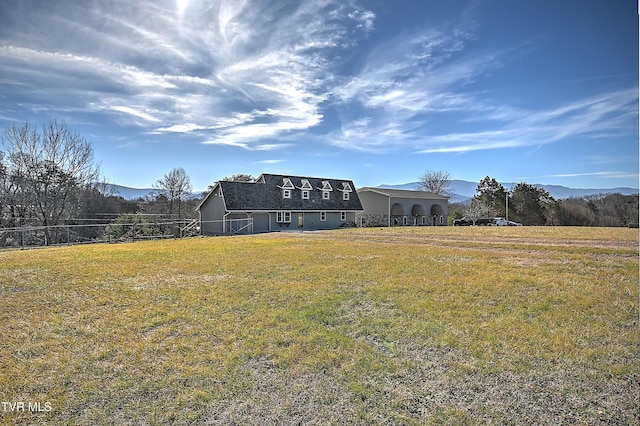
(393, 326)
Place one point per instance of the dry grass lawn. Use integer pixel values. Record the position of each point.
(389, 326)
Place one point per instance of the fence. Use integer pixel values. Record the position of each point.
(71, 234)
(29, 236)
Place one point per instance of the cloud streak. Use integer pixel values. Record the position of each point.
(232, 72)
(255, 74)
(607, 114)
(603, 174)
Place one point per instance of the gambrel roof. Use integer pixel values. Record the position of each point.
(266, 194)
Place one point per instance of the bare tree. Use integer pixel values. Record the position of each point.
(43, 170)
(176, 187)
(4, 181)
(477, 209)
(436, 181)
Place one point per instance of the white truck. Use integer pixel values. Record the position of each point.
(500, 221)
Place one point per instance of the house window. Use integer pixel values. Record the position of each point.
(325, 195)
(345, 196)
(343, 215)
(286, 193)
(305, 194)
(283, 217)
(323, 216)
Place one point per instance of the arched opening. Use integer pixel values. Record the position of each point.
(437, 211)
(417, 211)
(398, 214)
(398, 210)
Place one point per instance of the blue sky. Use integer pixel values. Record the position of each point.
(375, 91)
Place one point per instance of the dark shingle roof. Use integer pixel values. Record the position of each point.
(266, 194)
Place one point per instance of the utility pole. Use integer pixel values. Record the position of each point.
(506, 205)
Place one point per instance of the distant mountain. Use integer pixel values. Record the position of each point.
(464, 190)
(129, 193)
(134, 193)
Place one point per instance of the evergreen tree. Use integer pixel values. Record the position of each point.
(531, 204)
(491, 196)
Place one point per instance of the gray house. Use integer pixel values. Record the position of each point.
(278, 203)
(399, 207)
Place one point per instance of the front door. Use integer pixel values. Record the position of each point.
(300, 220)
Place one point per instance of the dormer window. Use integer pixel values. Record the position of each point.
(306, 185)
(326, 186)
(286, 187)
(306, 188)
(346, 190)
(326, 190)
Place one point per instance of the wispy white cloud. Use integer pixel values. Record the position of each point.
(602, 174)
(607, 114)
(135, 113)
(269, 161)
(404, 83)
(233, 72)
(254, 74)
(408, 83)
(608, 159)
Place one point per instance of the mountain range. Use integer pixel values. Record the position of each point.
(129, 193)
(462, 190)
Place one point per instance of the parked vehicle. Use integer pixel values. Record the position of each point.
(464, 221)
(500, 221)
(469, 221)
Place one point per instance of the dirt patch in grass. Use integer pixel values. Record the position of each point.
(440, 382)
(278, 396)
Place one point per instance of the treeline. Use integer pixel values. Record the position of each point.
(533, 205)
(49, 179)
(599, 210)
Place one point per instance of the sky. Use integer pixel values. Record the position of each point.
(375, 91)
